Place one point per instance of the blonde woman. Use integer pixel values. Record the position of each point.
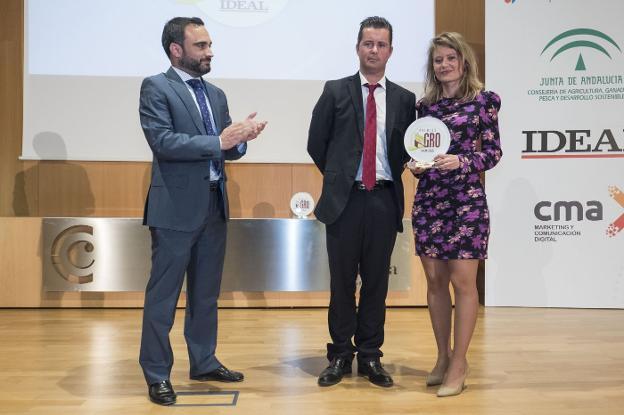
(450, 216)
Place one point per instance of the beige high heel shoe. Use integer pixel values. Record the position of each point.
(445, 391)
(434, 380)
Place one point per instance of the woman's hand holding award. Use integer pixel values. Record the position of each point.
(424, 139)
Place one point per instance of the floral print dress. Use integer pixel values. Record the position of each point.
(450, 216)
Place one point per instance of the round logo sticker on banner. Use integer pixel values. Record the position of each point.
(239, 13)
(424, 139)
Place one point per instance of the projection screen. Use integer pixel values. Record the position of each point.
(85, 59)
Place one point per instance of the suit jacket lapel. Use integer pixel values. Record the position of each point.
(185, 95)
(355, 89)
(392, 106)
(216, 115)
(212, 98)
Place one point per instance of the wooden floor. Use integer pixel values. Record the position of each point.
(523, 361)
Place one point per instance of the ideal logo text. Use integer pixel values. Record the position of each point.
(542, 144)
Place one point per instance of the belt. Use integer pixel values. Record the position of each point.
(214, 186)
(379, 184)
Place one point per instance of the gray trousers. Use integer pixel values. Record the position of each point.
(199, 254)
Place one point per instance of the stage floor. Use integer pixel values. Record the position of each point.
(523, 361)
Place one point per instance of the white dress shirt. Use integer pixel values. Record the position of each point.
(214, 175)
(381, 160)
(185, 77)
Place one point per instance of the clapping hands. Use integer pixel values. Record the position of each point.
(241, 131)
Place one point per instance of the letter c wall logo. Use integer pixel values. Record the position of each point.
(239, 13)
(72, 254)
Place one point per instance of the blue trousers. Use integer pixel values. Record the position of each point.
(199, 254)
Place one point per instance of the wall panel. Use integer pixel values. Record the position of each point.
(11, 17)
(54, 188)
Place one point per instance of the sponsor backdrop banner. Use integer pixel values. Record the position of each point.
(557, 196)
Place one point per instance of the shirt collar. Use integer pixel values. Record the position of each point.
(382, 81)
(183, 75)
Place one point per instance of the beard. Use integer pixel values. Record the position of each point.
(197, 66)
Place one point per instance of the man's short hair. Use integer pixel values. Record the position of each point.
(375, 22)
(173, 31)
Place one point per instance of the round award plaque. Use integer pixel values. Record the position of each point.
(302, 204)
(425, 138)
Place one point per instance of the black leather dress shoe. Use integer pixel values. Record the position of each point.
(375, 372)
(162, 393)
(333, 373)
(221, 374)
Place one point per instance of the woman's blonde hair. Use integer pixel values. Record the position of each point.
(469, 86)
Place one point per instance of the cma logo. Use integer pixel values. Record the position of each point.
(573, 142)
(72, 254)
(244, 6)
(567, 211)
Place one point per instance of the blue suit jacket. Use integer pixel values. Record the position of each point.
(179, 190)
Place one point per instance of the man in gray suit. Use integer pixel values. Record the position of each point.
(187, 124)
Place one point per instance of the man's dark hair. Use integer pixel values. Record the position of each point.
(375, 22)
(173, 31)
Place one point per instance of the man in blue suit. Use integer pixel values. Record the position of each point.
(187, 124)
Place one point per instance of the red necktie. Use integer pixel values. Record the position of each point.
(369, 169)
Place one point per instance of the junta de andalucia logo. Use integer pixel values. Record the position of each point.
(581, 39)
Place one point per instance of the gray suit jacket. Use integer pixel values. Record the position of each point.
(172, 124)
